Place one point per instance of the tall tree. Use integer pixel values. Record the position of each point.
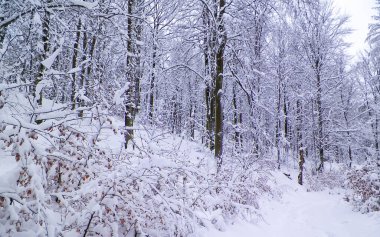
(218, 90)
(133, 66)
(321, 34)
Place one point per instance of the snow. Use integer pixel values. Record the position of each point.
(161, 158)
(301, 213)
(74, 70)
(42, 84)
(37, 19)
(117, 99)
(297, 213)
(48, 62)
(88, 5)
(8, 172)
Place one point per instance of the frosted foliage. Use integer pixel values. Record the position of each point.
(365, 185)
(63, 181)
(330, 179)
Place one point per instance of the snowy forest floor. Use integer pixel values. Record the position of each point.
(303, 213)
(298, 212)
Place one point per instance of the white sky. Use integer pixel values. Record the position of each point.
(361, 12)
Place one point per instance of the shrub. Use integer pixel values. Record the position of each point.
(365, 185)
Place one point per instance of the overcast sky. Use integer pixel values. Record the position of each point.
(361, 12)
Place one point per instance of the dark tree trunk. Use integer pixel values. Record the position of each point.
(236, 118)
(300, 165)
(82, 81)
(278, 125)
(320, 142)
(301, 158)
(90, 91)
(129, 105)
(210, 116)
(286, 119)
(153, 76)
(209, 56)
(134, 31)
(3, 32)
(139, 72)
(192, 121)
(46, 46)
(218, 91)
(74, 64)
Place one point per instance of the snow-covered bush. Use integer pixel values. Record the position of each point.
(62, 182)
(47, 162)
(242, 187)
(329, 178)
(169, 195)
(365, 185)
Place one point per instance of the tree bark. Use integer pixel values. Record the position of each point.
(129, 105)
(153, 76)
(134, 73)
(46, 48)
(300, 165)
(236, 118)
(320, 122)
(74, 64)
(278, 124)
(208, 53)
(83, 79)
(301, 158)
(218, 91)
(3, 32)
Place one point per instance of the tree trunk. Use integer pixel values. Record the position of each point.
(89, 90)
(82, 81)
(210, 117)
(236, 117)
(376, 128)
(208, 54)
(192, 120)
(74, 64)
(3, 32)
(218, 91)
(46, 46)
(129, 105)
(134, 73)
(152, 80)
(320, 141)
(301, 158)
(286, 119)
(300, 165)
(278, 125)
(139, 72)
(345, 115)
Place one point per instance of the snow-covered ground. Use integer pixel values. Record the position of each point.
(306, 214)
(298, 213)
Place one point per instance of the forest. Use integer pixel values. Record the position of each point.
(169, 117)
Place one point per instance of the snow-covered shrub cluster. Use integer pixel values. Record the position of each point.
(164, 197)
(365, 185)
(240, 189)
(48, 162)
(329, 178)
(61, 180)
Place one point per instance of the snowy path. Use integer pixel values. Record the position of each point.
(310, 214)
